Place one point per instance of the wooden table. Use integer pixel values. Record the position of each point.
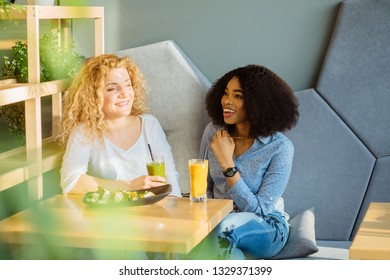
(172, 225)
(372, 241)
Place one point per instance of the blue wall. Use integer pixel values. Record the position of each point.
(288, 36)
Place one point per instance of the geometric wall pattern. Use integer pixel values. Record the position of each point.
(331, 168)
(343, 161)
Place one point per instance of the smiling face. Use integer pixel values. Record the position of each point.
(118, 94)
(232, 101)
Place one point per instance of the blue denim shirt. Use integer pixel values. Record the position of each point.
(264, 168)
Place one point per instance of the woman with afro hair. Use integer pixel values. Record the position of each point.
(250, 161)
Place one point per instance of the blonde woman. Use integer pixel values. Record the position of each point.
(106, 130)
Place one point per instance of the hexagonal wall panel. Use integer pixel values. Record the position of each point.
(331, 168)
(355, 78)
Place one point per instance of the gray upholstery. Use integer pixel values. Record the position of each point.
(342, 140)
(331, 250)
(331, 168)
(355, 78)
(176, 97)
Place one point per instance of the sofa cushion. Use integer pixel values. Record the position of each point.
(331, 250)
(301, 241)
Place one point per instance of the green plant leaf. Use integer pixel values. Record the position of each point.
(55, 63)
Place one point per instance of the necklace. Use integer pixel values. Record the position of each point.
(242, 138)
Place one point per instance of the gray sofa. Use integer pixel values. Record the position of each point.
(342, 139)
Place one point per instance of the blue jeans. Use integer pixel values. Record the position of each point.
(244, 235)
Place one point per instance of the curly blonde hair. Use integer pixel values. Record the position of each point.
(83, 101)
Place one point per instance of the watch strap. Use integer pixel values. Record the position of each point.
(230, 171)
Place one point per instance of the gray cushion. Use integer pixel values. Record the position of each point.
(331, 250)
(301, 241)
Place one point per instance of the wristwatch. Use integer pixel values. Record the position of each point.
(230, 171)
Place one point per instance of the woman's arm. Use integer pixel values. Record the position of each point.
(223, 148)
(273, 183)
(87, 183)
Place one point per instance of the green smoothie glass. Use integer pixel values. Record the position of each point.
(156, 166)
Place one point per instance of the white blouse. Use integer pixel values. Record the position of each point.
(108, 161)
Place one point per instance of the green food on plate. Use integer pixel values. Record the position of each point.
(103, 196)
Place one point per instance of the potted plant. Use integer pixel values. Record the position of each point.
(55, 63)
(6, 7)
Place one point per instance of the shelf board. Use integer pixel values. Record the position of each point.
(14, 166)
(60, 12)
(12, 93)
(15, 169)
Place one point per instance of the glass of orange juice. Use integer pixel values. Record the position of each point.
(198, 169)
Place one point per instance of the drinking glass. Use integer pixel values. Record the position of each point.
(198, 169)
(156, 166)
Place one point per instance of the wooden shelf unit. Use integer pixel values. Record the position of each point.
(29, 162)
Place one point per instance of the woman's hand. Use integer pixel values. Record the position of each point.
(87, 183)
(145, 182)
(223, 148)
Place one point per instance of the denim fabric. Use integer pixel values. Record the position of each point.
(244, 235)
(264, 169)
(258, 227)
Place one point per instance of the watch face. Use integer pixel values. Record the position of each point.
(229, 172)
